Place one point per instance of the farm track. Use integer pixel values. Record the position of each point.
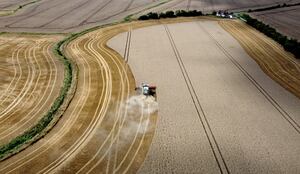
(30, 87)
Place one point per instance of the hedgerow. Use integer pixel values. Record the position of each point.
(289, 44)
(170, 14)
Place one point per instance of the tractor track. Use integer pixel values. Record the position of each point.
(86, 48)
(34, 14)
(15, 76)
(27, 86)
(23, 91)
(56, 138)
(200, 111)
(35, 112)
(285, 115)
(91, 53)
(280, 66)
(188, 5)
(64, 14)
(113, 15)
(116, 122)
(11, 89)
(76, 146)
(268, 41)
(116, 166)
(94, 13)
(84, 22)
(16, 164)
(127, 46)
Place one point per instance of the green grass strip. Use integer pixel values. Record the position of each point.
(40, 129)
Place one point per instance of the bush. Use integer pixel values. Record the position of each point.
(181, 13)
(153, 15)
(143, 17)
(162, 15)
(289, 44)
(195, 13)
(170, 14)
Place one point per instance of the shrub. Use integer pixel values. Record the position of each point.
(170, 14)
(181, 13)
(162, 15)
(153, 15)
(194, 13)
(143, 17)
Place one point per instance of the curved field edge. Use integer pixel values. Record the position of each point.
(60, 104)
(278, 64)
(147, 140)
(48, 121)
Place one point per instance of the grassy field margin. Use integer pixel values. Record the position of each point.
(57, 109)
(289, 44)
(67, 92)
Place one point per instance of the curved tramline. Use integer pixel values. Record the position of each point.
(278, 64)
(96, 130)
(108, 127)
(31, 87)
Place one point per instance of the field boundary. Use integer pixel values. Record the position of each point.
(283, 68)
(67, 92)
(288, 43)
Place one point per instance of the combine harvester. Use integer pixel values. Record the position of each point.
(147, 90)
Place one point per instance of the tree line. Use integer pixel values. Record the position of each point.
(273, 7)
(289, 44)
(170, 14)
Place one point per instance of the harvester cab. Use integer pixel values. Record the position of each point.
(147, 90)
